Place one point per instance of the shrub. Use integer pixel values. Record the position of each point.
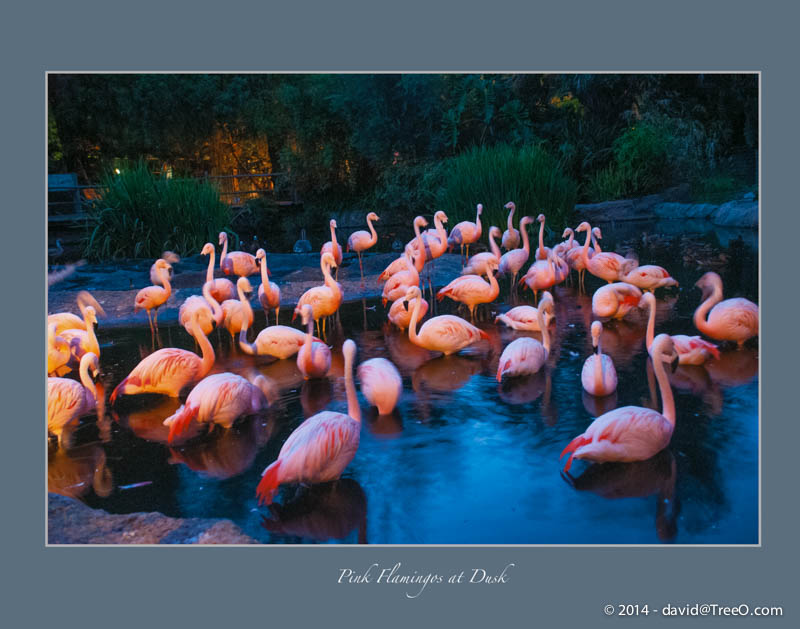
(528, 176)
(140, 215)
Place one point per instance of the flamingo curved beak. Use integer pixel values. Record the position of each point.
(405, 305)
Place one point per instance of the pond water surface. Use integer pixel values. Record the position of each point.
(462, 460)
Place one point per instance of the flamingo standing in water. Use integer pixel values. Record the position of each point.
(446, 333)
(221, 288)
(574, 256)
(324, 300)
(238, 263)
(401, 316)
(615, 300)
(206, 309)
(541, 250)
(431, 244)
(397, 285)
(361, 241)
(649, 277)
(238, 313)
(321, 447)
(562, 247)
(476, 265)
(598, 376)
(332, 247)
(219, 399)
(279, 341)
(152, 297)
(69, 400)
(66, 320)
(466, 233)
(525, 355)
(512, 261)
(692, 350)
(525, 317)
(170, 369)
(606, 265)
(381, 384)
(269, 295)
(82, 341)
(730, 320)
(631, 433)
(472, 290)
(542, 274)
(400, 264)
(314, 357)
(510, 236)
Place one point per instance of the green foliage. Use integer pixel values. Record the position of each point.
(717, 188)
(139, 215)
(492, 176)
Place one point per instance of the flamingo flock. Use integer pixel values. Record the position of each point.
(321, 448)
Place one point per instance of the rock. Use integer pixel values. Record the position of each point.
(72, 522)
(642, 208)
(685, 210)
(750, 196)
(737, 214)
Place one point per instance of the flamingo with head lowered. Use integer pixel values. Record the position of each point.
(631, 433)
(598, 376)
(512, 261)
(314, 357)
(321, 447)
(361, 241)
(510, 236)
(730, 320)
(238, 263)
(476, 265)
(324, 300)
(615, 300)
(401, 264)
(466, 233)
(206, 309)
(381, 384)
(69, 400)
(692, 350)
(525, 356)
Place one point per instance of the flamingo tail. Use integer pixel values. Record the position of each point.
(268, 484)
(179, 422)
(576, 443)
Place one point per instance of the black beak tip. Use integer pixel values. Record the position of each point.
(405, 305)
(675, 363)
(595, 349)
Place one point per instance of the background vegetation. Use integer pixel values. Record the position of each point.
(407, 144)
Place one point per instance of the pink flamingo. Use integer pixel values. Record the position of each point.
(279, 341)
(361, 241)
(466, 233)
(237, 313)
(631, 433)
(692, 350)
(325, 300)
(82, 341)
(66, 320)
(525, 355)
(401, 316)
(541, 275)
(397, 285)
(562, 247)
(510, 236)
(152, 297)
(432, 244)
(381, 384)
(68, 400)
(235, 262)
(170, 369)
(321, 447)
(472, 289)
(446, 333)
(525, 317)
(219, 399)
(269, 295)
(400, 264)
(332, 247)
(598, 376)
(206, 309)
(541, 250)
(476, 265)
(574, 256)
(58, 353)
(649, 277)
(172, 258)
(221, 288)
(314, 357)
(606, 265)
(730, 320)
(615, 300)
(512, 261)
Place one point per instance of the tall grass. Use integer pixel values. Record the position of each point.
(140, 215)
(493, 176)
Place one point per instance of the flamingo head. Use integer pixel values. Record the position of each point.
(526, 220)
(663, 349)
(91, 315)
(648, 300)
(597, 233)
(441, 216)
(244, 284)
(333, 223)
(372, 217)
(207, 250)
(93, 362)
(480, 209)
(413, 292)
(597, 330)
(540, 218)
(583, 227)
(223, 237)
(260, 254)
(708, 282)
(510, 206)
(567, 233)
(629, 265)
(327, 258)
(421, 221)
(494, 232)
(307, 313)
(349, 350)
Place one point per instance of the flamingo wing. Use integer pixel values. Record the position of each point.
(320, 448)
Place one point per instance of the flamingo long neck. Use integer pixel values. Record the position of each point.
(246, 307)
(326, 272)
(667, 401)
(585, 252)
(210, 271)
(526, 242)
(441, 232)
(543, 327)
(596, 244)
(598, 363)
(353, 409)
(412, 326)
(91, 336)
(247, 348)
(216, 309)
(419, 262)
(164, 274)
(651, 322)
(334, 242)
(493, 283)
(86, 379)
(224, 250)
(571, 238)
(478, 226)
(511, 217)
(374, 237)
(205, 348)
(264, 273)
(309, 334)
(493, 246)
(541, 241)
(700, 321)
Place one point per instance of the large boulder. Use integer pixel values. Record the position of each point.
(685, 210)
(743, 213)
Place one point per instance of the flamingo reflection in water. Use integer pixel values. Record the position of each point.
(655, 476)
(321, 513)
(73, 473)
